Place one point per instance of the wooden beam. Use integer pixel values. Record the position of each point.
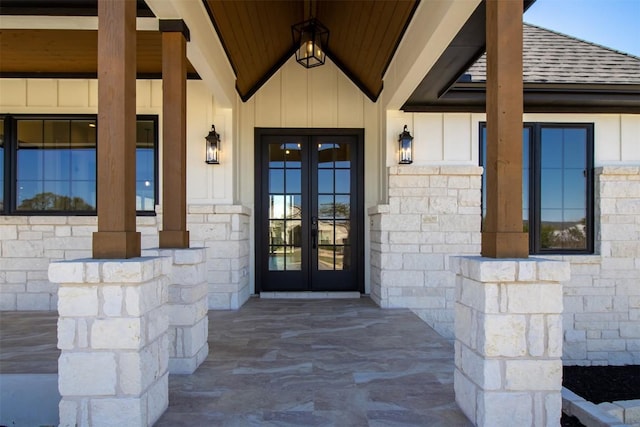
(174, 232)
(503, 235)
(116, 236)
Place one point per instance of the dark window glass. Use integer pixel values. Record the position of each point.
(145, 165)
(1, 164)
(556, 182)
(563, 188)
(56, 165)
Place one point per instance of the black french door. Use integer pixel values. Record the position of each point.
(309, 210)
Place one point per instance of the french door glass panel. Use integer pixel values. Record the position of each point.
(309, 211)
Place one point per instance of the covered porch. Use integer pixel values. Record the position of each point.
(287, 362)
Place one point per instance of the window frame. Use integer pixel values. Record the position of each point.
(11, 156)
(534, 193)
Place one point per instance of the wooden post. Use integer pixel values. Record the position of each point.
(503, 235)
(175, 35)
(116, 236)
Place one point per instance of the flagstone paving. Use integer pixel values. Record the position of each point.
(318, 363)
(289, 363)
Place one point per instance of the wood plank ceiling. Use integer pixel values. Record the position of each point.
(71, 53)
(363, 36)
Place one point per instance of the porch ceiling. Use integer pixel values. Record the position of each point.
(67, 52)
(363, 36)
(71, 53)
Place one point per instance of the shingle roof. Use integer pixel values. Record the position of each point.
(551, 57)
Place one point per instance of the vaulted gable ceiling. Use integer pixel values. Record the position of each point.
(363, 35)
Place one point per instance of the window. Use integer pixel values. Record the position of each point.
(53, 168)
(1, 164)
(557, 186)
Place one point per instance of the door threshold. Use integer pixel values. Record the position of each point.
(310, 295)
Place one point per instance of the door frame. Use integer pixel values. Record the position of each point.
(358, 133)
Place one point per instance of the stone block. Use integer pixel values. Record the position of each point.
(423, 262)
(117, 333)
(66, 333)
(536, 335)
(612, 409)
(631, 410)
(503, 335)
(527, 271)
(112, 300)
(118, 412)
(189, 256)
(443, 205)
(598, 304)
(68, 413)
(553, 409)
(483, 297)
(630, 329)
(486, 373)
(87, 374)
(77, 300)
(34, 301)
(8, 232)
(157, 399)
(584, 410)
(189, 274)
(502, 409)
(554, 271)
(187, 314)
(554, 335)
(530, 375)
(127, 271)
(534, 298)
(466, 394)
(487, 270)
(66, 272)
(465, 326)
(413, 205)
(157, 322)
(8, 301)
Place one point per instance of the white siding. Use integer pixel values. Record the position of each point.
(452, 138)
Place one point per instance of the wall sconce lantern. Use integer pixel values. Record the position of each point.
(212, 144)
(310, 39)
(405, 142)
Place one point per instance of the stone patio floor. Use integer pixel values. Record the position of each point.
(290, 363)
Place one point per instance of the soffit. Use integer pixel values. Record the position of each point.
(463, 51)
(71, 53)
(363, 36)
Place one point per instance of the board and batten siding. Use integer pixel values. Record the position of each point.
(453, 138)
(205, 184)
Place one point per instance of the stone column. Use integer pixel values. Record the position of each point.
(508, 346)
(187, 308)
(112, 331)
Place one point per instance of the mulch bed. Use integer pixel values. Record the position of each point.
(599, 384)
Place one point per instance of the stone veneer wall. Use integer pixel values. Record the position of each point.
(602, 299)
(433, 213)
(29, 243)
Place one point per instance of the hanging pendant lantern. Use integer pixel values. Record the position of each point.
(310, 39)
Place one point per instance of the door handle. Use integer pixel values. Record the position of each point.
(314, 232)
